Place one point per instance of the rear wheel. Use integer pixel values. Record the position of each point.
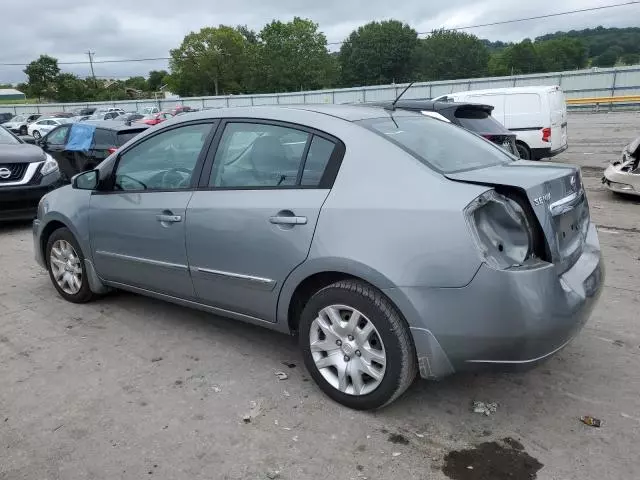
(356, 346)
(523, 151)
(65, 263)
(23, 130)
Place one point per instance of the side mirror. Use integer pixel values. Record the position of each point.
(86, 180)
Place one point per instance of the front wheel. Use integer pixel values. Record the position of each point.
(36, 135)
(65, 263)
(356, 345)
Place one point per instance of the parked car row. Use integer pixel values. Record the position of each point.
(391, 240)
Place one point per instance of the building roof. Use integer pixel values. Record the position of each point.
(10, 91)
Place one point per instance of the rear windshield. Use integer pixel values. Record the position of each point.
(124, 137)
(480, 121)
(445, 147)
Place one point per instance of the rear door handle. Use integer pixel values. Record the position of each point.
(169, 218)
(284, 220)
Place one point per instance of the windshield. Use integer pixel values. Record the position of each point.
(6, 138)
(442, 146)
(19, 118)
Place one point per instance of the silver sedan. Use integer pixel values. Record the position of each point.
(391, 243)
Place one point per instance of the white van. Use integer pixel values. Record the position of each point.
(537, 115)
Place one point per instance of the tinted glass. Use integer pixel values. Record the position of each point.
(104, 138)
(6, 138)
(258, 155)
(479, 121)
(124, 137)
(163, 162)
(317, 160)
(58, 136)
(442, 146)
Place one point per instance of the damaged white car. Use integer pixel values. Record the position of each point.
(623, 176)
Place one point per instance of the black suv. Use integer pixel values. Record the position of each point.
(26, 174)
(474, 117)
(82, 146)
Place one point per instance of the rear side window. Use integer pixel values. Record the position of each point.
(442, 146)
(479, 121)
(104, 138)
(124, 137)
(318, 158)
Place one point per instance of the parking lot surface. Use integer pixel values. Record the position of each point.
(129, 387)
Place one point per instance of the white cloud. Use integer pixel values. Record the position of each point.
(121, 29)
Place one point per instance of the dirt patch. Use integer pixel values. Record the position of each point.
(398, 439)
(492, 461)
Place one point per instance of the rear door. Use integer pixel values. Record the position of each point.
(558, 111)
(253, 218)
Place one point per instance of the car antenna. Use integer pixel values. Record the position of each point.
(393, 105)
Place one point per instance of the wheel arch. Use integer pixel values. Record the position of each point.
(312, 276)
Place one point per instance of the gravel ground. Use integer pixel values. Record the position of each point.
(130, 388)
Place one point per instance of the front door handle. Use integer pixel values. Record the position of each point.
(169, 218)
(288, 220)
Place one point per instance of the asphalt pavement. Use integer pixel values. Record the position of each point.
(130, 388)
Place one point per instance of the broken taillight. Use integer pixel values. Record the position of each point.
(546, 135)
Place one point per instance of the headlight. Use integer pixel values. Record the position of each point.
(50, 165)
(500, 229)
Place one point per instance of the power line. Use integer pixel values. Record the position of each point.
(466, 27)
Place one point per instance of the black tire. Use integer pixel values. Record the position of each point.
(23, 130)
(84, 294)
(36, 135)
(401, 363)
(523, 151)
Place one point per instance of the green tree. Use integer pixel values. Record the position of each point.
(211, 61)
(138, 83)
(293, 56)
(42, 75)
(562, 54)
(448, 55)
(517, 59)
(69, 88)
(630, 58)
(608, 58)
(377, 53)
(156, 80)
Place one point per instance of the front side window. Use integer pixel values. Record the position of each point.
(253, 155)
(163, 162)
(57, 136)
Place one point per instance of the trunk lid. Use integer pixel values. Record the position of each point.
(556, 196)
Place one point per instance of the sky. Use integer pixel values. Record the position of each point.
(126, 29)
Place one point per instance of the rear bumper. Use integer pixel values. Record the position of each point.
(503, 316)
(540, 153)
(21, 202)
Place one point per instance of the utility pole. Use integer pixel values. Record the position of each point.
(93, 74)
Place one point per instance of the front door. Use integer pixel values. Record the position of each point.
(253, 220)
(138, 227)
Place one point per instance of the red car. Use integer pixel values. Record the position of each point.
(155, 118)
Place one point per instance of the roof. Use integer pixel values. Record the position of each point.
(116, 126)
(534, 89)
(346, 112)
(10, 91)
(430, 105)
